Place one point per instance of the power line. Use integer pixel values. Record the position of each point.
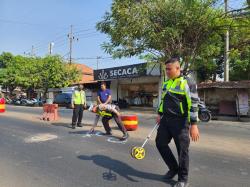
(86, 34)
(25, 23)
(91, 58)
(83, 30)
(89, 36)
(60, 40)
(42, 44)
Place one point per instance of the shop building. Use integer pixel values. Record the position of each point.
(137, 84)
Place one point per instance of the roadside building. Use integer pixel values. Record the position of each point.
(136, 84)
(226, 98)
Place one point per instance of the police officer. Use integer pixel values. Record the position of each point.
(78, 103)
(177, 118)
(107, 112)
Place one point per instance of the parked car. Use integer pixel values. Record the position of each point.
(63, 99)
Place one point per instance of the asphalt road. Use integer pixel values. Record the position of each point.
(34, 154)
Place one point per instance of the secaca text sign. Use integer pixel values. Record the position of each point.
(120, 72)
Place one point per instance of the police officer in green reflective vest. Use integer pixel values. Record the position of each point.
(78, 103)
(177, 119)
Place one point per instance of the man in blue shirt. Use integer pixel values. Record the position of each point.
(104, 95)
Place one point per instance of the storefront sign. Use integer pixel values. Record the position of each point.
(120, 72)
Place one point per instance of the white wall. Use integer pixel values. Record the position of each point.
(113, 88)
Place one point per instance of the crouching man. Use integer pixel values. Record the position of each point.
(107, 112)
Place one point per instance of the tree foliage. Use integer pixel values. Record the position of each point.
(240, 49)
(239, 58)
(160, 29)
(35, 72)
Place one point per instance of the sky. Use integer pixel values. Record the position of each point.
(27, 23)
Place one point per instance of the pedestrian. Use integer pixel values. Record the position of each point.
(177, 118)
(78, 103)
(103, 97)
(107, 112)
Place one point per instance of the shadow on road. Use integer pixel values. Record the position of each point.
(68, 125)
(80, 132)
(109, 176)
(122, 169)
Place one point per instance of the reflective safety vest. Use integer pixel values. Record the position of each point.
(78, 97)
(176, 100)
(103, 113)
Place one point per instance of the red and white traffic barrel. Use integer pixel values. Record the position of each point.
(130, 122)
(2, 105)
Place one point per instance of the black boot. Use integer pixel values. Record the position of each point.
(125, 136)
(170, 174)
(108, 134)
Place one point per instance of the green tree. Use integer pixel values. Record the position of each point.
(32, 73)
(5, 59)
(55, 73)
(10, 73)
(160, 29)
(240, 49)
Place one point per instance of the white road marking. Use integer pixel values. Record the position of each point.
(116, 140)
(40, 138)
(86, 135)
(98, 134)
(111, 139)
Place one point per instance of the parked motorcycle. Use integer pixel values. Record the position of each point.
(27, 102)
(16, 101)
(204, 114)
(8, 100)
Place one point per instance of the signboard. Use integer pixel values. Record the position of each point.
(130, 71)
(121, 72)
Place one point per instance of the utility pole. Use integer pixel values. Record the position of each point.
(226, 56)
(70, 43)
(32, 51)
(97, 62)
(71, 39)
(51, 44)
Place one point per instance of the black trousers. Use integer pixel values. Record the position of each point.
(105, 122)
(177, 129)
(77, 115)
